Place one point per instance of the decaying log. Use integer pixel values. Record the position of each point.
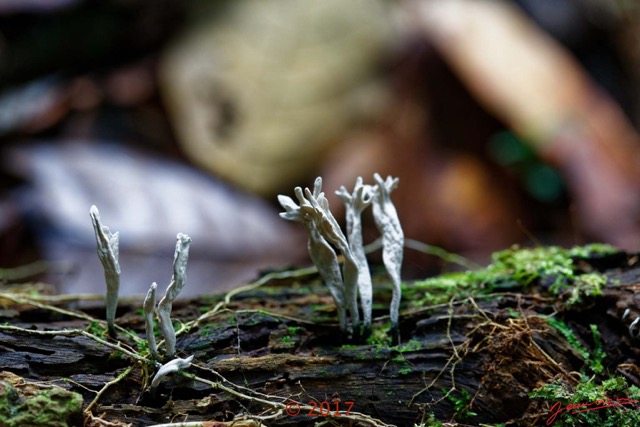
(276, 351)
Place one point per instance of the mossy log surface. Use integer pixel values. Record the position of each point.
(280, 344)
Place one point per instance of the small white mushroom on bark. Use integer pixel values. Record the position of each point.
(388, 223)
(178, 281)
(149, 306)
(174, 365)
(107, 245)
(355, 204)
(320, 251)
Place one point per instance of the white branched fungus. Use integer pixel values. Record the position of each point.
(355, 204)
(388, 223)
(149, 307)
(107, 245)
(323, 230)
(175, 365)
(178, 281)
(320, 251)
(317, 205)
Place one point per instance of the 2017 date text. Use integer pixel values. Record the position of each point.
(319, 409)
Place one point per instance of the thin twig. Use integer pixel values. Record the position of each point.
(75, 333)
(441, 253)
(278, 406)
(104, 388)
(29, 301)
(267, 278)
(75, 314)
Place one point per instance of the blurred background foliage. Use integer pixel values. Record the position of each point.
(508, 122)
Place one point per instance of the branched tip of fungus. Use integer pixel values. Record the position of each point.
(324, 231)
(321, 252)
(107, 246)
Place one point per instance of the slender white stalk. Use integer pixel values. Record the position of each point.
(107, 245)
(178, 281)
(149, 307)
(388, 223)
(355, 204)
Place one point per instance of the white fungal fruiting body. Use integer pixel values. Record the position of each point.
(326, 223)
(355, 204)
(388, 223)
(313, 212)
(174, 365)
(324, 231)
(321, 253)
(108, 251)
(107, 246)
(149, 306)
(178, 281)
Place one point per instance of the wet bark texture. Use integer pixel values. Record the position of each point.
(280, 343)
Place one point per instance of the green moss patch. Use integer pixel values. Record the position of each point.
(553, 267)
(612, 403)
(26, 404)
